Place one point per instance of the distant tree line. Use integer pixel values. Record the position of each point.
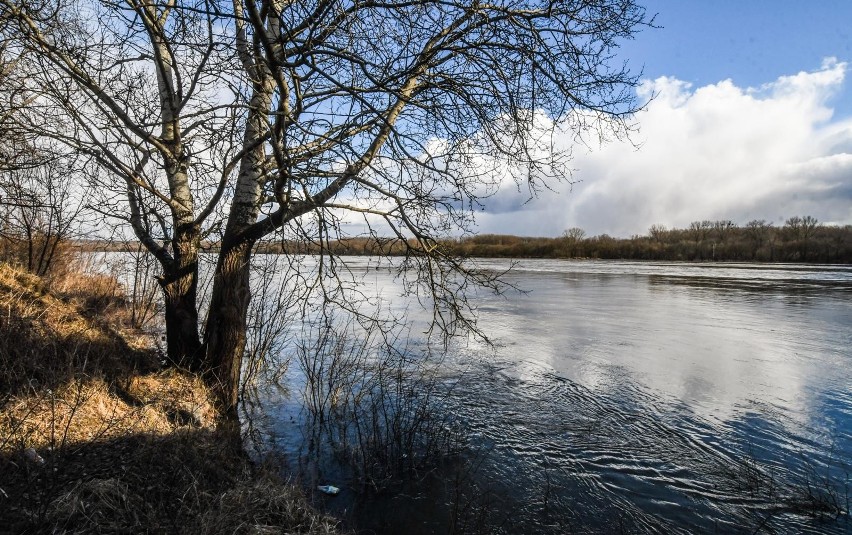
(800, 239)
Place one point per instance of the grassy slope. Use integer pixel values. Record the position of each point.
(96, 438)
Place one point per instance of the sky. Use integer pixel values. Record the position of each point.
(751, 119)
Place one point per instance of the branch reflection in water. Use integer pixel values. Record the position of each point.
(619, 396)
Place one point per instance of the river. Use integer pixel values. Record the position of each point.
(630, 397)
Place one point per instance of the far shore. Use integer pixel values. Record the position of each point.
(754, 243)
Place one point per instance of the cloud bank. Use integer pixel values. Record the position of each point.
(712, 152)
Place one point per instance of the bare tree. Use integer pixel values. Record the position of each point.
(658, 232)
(800, 231)
(41, 210)
(39, 203)
(699, 230)
(758, 232)
(292, 119)
(572, 238)
(724, 228)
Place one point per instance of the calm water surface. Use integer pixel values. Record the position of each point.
(638, 397)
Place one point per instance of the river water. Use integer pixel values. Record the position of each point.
(632, 397)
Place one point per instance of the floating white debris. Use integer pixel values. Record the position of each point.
(328, 489)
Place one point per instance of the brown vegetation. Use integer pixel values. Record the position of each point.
(800, 239)
(95, 437)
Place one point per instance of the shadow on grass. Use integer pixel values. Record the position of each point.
(46, 338)
(190, 481)
(96, 438)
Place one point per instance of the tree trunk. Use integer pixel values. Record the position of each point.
(179, 283)
(225, 333)
(183, 344)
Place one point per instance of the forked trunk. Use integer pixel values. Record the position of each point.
(225, 333)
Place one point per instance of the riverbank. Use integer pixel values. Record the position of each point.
(704, 241)
(96, 436)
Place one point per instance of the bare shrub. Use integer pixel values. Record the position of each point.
(820, 490)
(143, 297)
(41, 209)
(375, 402)
(270, 325)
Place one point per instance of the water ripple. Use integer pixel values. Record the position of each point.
(657, 468)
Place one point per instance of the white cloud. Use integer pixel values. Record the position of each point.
(712, 152)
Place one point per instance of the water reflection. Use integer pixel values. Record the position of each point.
(622, 396)
(701, 343)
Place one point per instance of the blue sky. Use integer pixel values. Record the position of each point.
(752, 42)
(752, 120)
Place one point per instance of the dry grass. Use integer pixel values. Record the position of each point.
(99, 503)
(94, 294)
(96, 438)
(47, 338)
(80, 411)
(183, 398)
(262, 506)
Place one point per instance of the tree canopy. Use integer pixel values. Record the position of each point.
(240, 121)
